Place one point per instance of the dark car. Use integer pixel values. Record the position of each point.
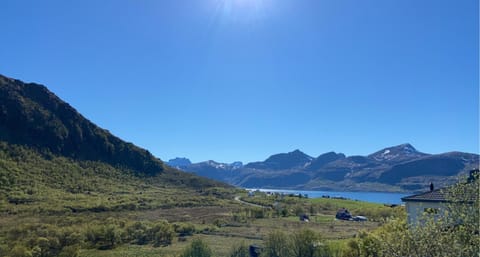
(343, 214)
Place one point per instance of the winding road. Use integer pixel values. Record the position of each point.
(237, 198)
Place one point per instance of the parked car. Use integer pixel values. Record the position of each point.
(343, 214)
(359, 218)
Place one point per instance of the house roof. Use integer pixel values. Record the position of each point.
(438, 195)
(442, 195)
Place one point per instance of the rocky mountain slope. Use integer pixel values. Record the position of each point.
(32, 115)
(396, 168)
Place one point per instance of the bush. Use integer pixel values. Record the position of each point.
(161, 233)
(20, 251)
(241, 250)
(276, 245)
(303, 243)
(137, 233)
(184, 229)
(104, 236)
(197, 249)
(70, 251)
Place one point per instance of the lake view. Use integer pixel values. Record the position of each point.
(375, 197)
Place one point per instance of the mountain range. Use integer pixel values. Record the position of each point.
(396, 168)
(31, 116)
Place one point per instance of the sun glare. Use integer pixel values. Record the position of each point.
(244, 11)
(245, 3)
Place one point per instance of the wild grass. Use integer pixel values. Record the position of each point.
(63, 207)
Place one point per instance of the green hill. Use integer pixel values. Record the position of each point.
(31, 115)
(67, 184)
(33, 183)
(49, 152)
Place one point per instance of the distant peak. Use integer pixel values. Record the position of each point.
(297, 151)
(179, 162)
(299, 154)
(397, 153)
(179, 158)
(331, 153)
(407, 146)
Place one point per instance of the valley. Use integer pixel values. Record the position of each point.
(70, 188)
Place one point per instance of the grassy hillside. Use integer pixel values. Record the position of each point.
(31, 182)
(32, 115)
(56, 206)
(54, 197)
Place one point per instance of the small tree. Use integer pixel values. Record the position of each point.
(161, 233)
(20, 251)
(307, 243)
(276, 245)
(240, 251)
(197, 249)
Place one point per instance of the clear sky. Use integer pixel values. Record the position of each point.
(243, 79)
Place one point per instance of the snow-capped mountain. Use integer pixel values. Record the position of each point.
(395, 168)
(397, 154)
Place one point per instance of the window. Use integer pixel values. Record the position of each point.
(431, 210)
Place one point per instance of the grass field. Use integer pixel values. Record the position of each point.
(216, 226)
(60, 206)
(223, 223)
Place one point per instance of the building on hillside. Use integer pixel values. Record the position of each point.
(434, 202)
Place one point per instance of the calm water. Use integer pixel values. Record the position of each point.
(375, 197)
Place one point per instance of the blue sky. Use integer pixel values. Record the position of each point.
(243, 79)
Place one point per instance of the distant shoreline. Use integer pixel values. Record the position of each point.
(375, 197)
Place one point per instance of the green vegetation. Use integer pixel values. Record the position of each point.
(56, 206)
(69, 188)
(197, 249)
(455, 232)
(302, 243)
(58, 185)
(32, 115)
(240, 250)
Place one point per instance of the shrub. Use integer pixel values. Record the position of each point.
(161, 233)
(305, 243)
(137, 233)
(184, 229)
(240, 251)
(70, 251)
(20, 251)
(276, 245)
(104, 236)
(197, 249)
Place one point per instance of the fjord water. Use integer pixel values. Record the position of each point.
(374, 197)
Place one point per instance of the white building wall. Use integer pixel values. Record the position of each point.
(416, 210)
